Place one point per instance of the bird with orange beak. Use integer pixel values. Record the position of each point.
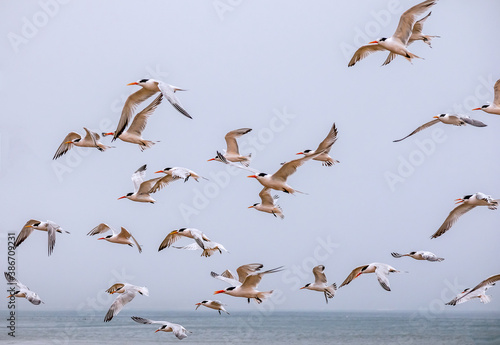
(493, 108)
(148, 88)
(232, 153)
(22, 290)
(217, 305)
(179, 331)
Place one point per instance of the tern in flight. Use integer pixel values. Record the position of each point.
(22, 290)
(123, 237)
(493, 108)
(126, 293)
(49, 226)
(398, 42)
(216, 305)
(91, 139)
(324, 147)
(321, 284)
(268, 203)
(419, 255)
(380, 270)
(232, 153)
(179, 331)
(479, 291)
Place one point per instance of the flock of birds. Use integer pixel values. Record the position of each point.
(244, 284)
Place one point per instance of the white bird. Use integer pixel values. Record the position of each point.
(134, 133)
(22, 290)
(127, 293)
(34, 224)
(419, 255)
(277, 180)
(179, 331)
(149, 88)
(416, 35)
(479, 291)
(217, 305)
(200, 238)
(247, 288)
(91, 139)
(142, 188)
(174, 174)
(267, 203)
(123, 237)
(232, 153)
(210, 248)
(380, 270)
(448, 119)
(324, 147)
(493, 108)
(467, 203)
(321, 284)
(398, 42)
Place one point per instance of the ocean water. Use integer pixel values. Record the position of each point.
(208, 327)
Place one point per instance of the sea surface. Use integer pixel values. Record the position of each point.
(208, 327)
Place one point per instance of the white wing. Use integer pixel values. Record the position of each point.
(382, 271)
(244, 270)
(472, 122)
(408, 19)
(223, 159)
(456, 213)
(141, 119)
(364, 51)
(119, 303)
(128, 109)
(421, 128)
(125, 234)
(169, 94)
(230, 281)
(51, 232)
(100, 229)
(64, 147)
(330, 139)
(162, 182)
(252, 280)
(138, 177)
(232, 144)
(319, 276)
(496, 89)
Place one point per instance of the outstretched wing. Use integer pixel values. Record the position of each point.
(141, 119)
(66, 145)
(421, 128)
(101, 228)
(355, 272)
(232, 144)
(169, 94)
(408, 19)
(128, 109)
(456, 213)
(230, 281)
(319, 276)
(364, 51)
(330, 139)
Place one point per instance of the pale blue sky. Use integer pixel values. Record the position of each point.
(280, 68)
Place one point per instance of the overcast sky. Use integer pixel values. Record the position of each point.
(277, 67)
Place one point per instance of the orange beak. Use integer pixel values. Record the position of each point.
(302, 288)
(157, 330)
(29, 226)
(251, 206)
(110, 133)
(458, 201)
(68, 142)
(373, 42)
(122, 197)
(9, 296)
(476, 109)
(435, 117)
(219, 291)
(211, 159)
(159, 171)
(252, 176)
(134, 83)
(198, 304)
(102, 238)
(300, 153)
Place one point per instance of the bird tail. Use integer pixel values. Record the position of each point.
(330, 290)
(428, 39)
(146, 144)
(103, 148)
(396, 255)
(485, 299)
(264, 294)
(410, 56)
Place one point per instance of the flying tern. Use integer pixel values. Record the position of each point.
(123, 237)
(126, 293)
(179, 331)
(479, 291)
(321, 284)
(380, 270)
(324, 147)
(419, 255)
(216, 305)
(493, 108)
(22, 290)
(232, 153)
(268, 203)
(142, 188)
(34, 224)
(91, 139)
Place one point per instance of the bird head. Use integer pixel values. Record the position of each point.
(303, 152)
(305, 286)
(252, 206)
(441, 116)
(129, 194)
(482, 107)
(142, 82)
(383, 39)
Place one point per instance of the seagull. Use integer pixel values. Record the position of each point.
(217, 305)
(479, 291)
(173, 174)
(398, 42)
(495, 107)
(467, 203)
(142, 188)
(448, 119)
(200, 238)
(267, 204)
(277, 180)
(321, 284)
(91, 139)
(34, 224)
(122, 238)
(127, 293)
(420, 255)
(149, 88)
(381, 270)
(247, 288)
(232, 153)
(324, 147)
(134, 133)
(416, 35)
(179, 331)
(22, 290)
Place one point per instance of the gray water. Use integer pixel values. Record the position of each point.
(208, 327)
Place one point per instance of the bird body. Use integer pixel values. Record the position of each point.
(142, 189)
(479, 291)
(324, 149)
(419, 255)
(321, 284)
(381, 271)
(268, 204)
(91, 139)
(22, 290)
(49, 226)
(493, 108)
(126, 292)
(123, 237)
(216, 305)
(179, 331)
